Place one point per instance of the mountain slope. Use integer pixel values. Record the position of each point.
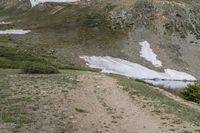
(115, 29)
(78, 99)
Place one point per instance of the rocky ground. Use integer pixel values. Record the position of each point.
(81, 102)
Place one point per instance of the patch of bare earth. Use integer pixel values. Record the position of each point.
(110, 109)
(84, 102)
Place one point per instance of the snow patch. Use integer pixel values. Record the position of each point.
(5, 23)
(118, 66)
(147, 53)
(14, 31)
(175, 85)
(115, 65)
(36, 2)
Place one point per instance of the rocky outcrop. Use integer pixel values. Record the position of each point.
(180, 18)
(16, 4)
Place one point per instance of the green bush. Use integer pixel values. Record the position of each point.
(192, 93)
(39, 68)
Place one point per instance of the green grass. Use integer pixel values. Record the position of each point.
(28, 58)
(15, 56)
(135, 88)
(5, 39)
(17, 118)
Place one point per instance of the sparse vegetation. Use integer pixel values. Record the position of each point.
(192, 93)
(22, 99)
(12, 109)
(139, 89)
(183, 28)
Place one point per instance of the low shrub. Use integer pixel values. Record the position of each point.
(192, 93)
(38, 68)
(76, 67)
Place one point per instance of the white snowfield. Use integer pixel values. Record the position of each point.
(118, 66)
(5, 23)
(175, 85)
(147, 53)
(14, 31)
(171, 79)
(36, 2)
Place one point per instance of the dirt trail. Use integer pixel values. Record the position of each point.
(82, 102)
(109, 108)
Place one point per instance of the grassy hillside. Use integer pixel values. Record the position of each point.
(70, 30)
(139, 89)
(17, 56)
(194, 2)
